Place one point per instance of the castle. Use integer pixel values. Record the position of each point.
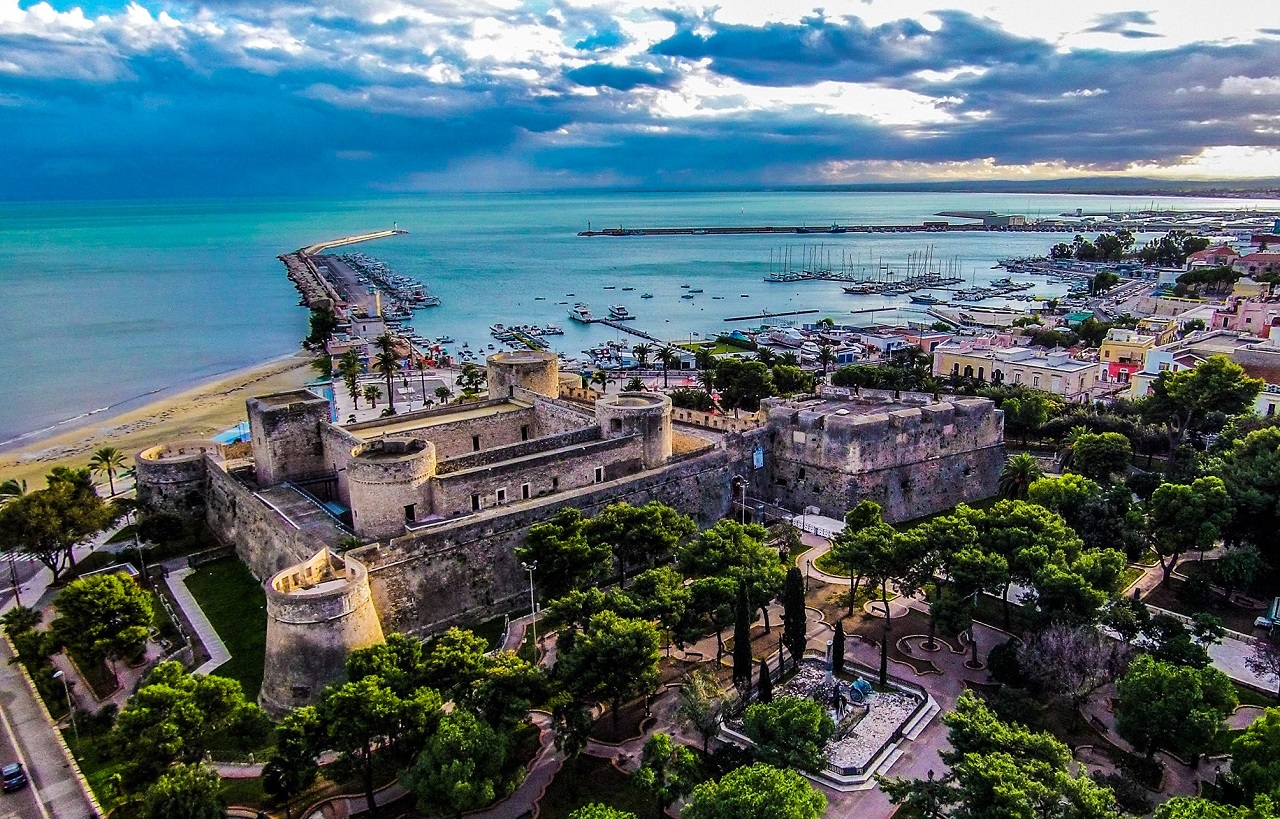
(409, 523)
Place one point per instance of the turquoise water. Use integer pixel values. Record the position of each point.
(105, 302)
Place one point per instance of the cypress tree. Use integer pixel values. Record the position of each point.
(742, 661)
(794, 618)
(765, 691)
(837, 649)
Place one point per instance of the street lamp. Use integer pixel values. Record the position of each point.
(71, 709)
(531, 567)
(740, 482)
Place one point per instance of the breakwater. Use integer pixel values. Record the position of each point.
(756, 230)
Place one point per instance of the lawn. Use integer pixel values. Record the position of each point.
(1236, 618)
(1128, 577)
(588, 779)
(237, 607)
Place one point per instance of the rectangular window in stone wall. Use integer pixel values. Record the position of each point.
(524, 491)
(502, 496)
(475, 503)
(599, 474)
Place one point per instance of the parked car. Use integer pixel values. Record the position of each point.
(13, 777)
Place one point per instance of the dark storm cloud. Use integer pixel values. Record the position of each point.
(846, 49)
(283, 97)
(622, 78)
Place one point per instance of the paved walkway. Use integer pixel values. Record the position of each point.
(178, 571)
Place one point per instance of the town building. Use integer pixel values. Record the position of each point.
(1217, 256)
(1250, 316)
(1252, 264)
(992, 359)
(1120, 354)
(1260, 358)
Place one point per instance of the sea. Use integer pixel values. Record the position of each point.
(110, 304)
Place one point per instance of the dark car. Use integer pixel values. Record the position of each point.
(13, 777)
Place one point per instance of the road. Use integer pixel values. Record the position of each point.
(22, 568)
(26, 736)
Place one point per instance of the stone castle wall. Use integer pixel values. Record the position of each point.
(285, 432)
(465, 570)
(173, 478)
(546, 473)
(264, 540)
(519, 450)
(913, 461)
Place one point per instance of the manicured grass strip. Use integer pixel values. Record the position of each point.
(237, 607)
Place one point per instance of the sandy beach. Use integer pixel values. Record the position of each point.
(196, 412)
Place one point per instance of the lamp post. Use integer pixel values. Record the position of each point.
(740, 482)
(71, 709)
(531, 567)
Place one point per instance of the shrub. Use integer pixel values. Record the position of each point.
(1004, 666)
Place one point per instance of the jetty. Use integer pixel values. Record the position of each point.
(756, 230)
(350, 240)
(316, 290)
(618, 325)
(767, 314)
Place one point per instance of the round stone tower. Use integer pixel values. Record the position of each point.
(647, 414)
(384, 481)
(534, 370)
(173, 478)
(318, 612)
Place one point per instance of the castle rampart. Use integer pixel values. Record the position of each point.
(318, 612)
(833, 451)
(173, 478)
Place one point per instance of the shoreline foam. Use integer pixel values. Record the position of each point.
(191, 411)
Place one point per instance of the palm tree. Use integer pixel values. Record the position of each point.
(602, 378)
(707, 378)
(766, 356)
(642, 351)
(443, 393)
(1019, 472)
(12, 489)
(421, 364)
(826, 357)
(372, 393)
(1067, 453)
(349, 366)
(107, 461)
(669, 358)
(386, 364)
(789, 358)
(826, 323)
(634, 384)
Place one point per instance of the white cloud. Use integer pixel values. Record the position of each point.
(1250, 86)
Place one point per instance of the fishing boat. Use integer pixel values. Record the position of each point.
(619, 311)
(646, 295)
(696, 290)
(858, 290)
(686, 296)
(582, 313)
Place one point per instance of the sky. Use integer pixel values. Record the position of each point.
(256, 97)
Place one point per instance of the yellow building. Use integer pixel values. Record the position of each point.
(1121, 354)
(1164, 329)
(1052, 371)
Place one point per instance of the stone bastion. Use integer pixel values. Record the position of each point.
(173, 478)
(638, 413)
(318, 612)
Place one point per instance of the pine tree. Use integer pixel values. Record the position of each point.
(794, 618)
(764, 693)
(742, 661)
(837, 649)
